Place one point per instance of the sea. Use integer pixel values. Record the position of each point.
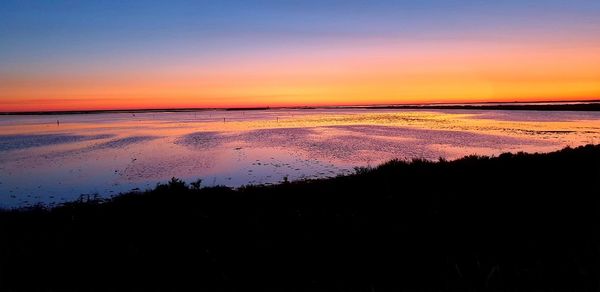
(52, 159)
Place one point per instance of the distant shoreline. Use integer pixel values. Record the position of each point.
(522, 107)
(587, 105)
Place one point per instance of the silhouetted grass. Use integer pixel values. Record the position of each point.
(514, 222)
(591, 106)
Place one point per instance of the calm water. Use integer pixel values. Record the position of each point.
(42, 161)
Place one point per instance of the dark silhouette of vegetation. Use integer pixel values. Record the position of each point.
(516, 222)
(247, 108)
(583, 105)
(595, 106)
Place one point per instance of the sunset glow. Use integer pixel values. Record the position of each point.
(62, 56)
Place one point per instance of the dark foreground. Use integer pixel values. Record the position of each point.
(517, 222)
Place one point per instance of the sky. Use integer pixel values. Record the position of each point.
(81, 55)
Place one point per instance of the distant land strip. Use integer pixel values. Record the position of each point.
(522, 107)
(590, 105)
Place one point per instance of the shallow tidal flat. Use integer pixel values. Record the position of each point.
(52, 159)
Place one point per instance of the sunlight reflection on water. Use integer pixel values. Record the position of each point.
(42, 161)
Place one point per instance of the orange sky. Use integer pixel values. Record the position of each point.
(379, 72)
(78, 55)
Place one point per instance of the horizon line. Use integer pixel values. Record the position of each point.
(184, 109)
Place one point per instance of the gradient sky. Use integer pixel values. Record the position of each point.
(70, 55)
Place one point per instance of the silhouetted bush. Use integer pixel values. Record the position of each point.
(513, 222)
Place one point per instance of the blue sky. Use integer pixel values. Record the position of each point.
(33, 28)
(43, 38)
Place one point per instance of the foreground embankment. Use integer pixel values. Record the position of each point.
(512, 222)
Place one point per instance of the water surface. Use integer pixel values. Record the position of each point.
(56, 158)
